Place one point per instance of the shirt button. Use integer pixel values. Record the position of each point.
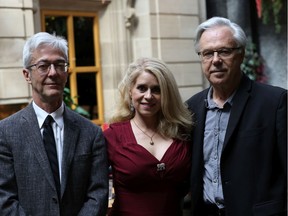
(215, 180)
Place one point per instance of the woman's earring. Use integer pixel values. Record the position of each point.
(132, 108)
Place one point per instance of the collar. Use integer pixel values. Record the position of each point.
(42, 114)
(210, 104)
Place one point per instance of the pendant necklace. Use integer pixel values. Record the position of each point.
(151, 137)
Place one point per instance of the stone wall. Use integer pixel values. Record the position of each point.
(128, 29)
(150, 28)
(166, 31)
(16, 24)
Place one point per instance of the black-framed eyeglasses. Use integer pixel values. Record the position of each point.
(222, 53)
(44, 67)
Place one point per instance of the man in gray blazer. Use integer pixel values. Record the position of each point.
(28, 185)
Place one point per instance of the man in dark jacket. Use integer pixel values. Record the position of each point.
(239, 161)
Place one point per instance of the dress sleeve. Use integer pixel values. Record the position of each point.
(111, 139)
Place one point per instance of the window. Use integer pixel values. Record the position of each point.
(81, 31)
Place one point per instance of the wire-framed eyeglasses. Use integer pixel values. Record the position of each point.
(44, 67)
(222, 53)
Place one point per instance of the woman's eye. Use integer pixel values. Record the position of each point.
(156, 90)
(142, 88)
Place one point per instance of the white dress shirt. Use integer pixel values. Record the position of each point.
(58, 128)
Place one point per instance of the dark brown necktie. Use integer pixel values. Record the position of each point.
(50, 146)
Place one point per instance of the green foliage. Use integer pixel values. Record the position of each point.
(252, 64)
(68, 100)
(272, 8)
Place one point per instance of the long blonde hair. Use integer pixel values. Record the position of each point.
(175, 120)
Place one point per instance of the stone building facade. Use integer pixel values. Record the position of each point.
(123, 31)
(127, 30)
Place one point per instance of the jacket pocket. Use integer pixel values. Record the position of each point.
(270, 208)
(82, 157)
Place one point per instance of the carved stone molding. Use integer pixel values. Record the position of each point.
(131, 19)
(80, 5)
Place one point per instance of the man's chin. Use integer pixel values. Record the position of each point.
(54, 95)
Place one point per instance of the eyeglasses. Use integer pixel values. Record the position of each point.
(223, 53)
(44, 67)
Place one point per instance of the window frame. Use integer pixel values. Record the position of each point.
(73, 69)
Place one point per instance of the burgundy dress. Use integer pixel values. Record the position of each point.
(145, 186)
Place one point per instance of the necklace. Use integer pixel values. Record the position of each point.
(151, 137)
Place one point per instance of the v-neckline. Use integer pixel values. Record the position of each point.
(149, 153)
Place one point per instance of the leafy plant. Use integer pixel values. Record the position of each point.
(269, 10)
(68, 100)
(253, 64)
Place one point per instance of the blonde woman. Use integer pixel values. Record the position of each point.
(148, 142)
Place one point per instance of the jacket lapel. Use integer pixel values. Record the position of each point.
(200, 110)
(30, 123)
(239, 102)
(71, 133)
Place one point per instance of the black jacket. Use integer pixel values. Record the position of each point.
(254, 157)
